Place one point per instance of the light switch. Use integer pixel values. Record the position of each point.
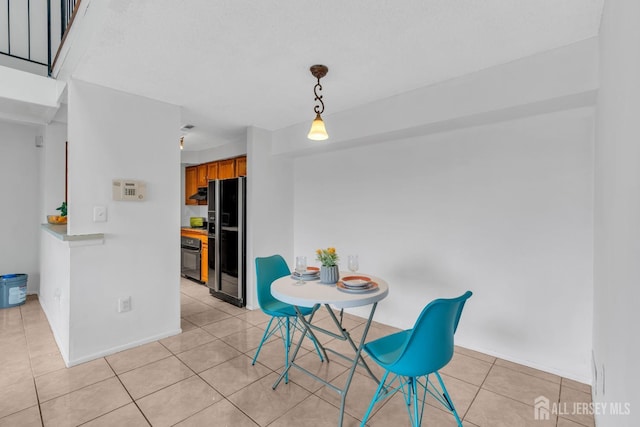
(99, 214)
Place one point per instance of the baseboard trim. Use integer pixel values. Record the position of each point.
(112, 350)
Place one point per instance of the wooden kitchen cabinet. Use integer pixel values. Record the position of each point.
(190, 184)
(212, 170)
(241, 166)
(199, 176)
(202, 176)
(227, 169)
(204, 259)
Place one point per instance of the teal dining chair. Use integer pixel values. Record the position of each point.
(269, 269)
(410, 357)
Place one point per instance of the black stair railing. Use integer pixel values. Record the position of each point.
(19, 21)
(68, 9)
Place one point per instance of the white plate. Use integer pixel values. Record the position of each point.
(372, 286)
(311, 275)
(356, 281)
(306, 278)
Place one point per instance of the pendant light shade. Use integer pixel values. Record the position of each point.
(317, 131)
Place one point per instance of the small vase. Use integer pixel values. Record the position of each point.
(329, 275)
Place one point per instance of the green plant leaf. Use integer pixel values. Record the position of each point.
(63, 209)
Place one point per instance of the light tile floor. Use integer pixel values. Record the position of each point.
(204, 377)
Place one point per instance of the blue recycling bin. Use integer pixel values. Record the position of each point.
(13, 290)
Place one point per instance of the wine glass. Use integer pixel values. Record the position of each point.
(352, 263)
(301, 268)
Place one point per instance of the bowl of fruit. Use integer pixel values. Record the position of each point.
(59, 219)
(56, 219)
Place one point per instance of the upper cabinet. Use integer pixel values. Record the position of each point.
(190, 184)
(212, 170)
(203, 181)
(241, 166)
(198, 176)
(227, 169)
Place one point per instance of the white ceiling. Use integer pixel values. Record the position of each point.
(233, 64)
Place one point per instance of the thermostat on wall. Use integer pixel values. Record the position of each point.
(129, 190)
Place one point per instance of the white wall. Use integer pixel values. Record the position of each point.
(503, 210)
(19, 216)
(502, 161)
(269, 205)
(617, 216)
(52, 168)
(117, 135)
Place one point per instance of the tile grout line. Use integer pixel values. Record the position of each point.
(128, 393)
(35, 386)
(218, 391)
(478, 392)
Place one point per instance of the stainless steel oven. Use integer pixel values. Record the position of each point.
(191, 253)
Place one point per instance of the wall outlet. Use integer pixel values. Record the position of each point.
(124, 304)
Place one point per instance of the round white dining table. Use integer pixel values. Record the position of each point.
(313, 292)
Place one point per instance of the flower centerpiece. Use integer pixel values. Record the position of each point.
(329, 258)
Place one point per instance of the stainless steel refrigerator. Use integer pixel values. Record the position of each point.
(227, 247)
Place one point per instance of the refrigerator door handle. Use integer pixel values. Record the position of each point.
(217, 285)
(241, 225)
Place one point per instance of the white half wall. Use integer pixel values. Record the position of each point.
(55, 288)
(113, 135)
(504, 210)
(20, 188)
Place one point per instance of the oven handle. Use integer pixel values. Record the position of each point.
(193, 251)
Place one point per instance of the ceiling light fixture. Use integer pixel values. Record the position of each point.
(318, 131)
(184, 130)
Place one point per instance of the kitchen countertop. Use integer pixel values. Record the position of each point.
(202, 231)
(59, 231)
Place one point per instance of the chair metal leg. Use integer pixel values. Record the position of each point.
(416, 419)
(376, 395)
(448, 399)
(409, 394)
(264, 338)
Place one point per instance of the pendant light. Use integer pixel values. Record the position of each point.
(318, 131)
